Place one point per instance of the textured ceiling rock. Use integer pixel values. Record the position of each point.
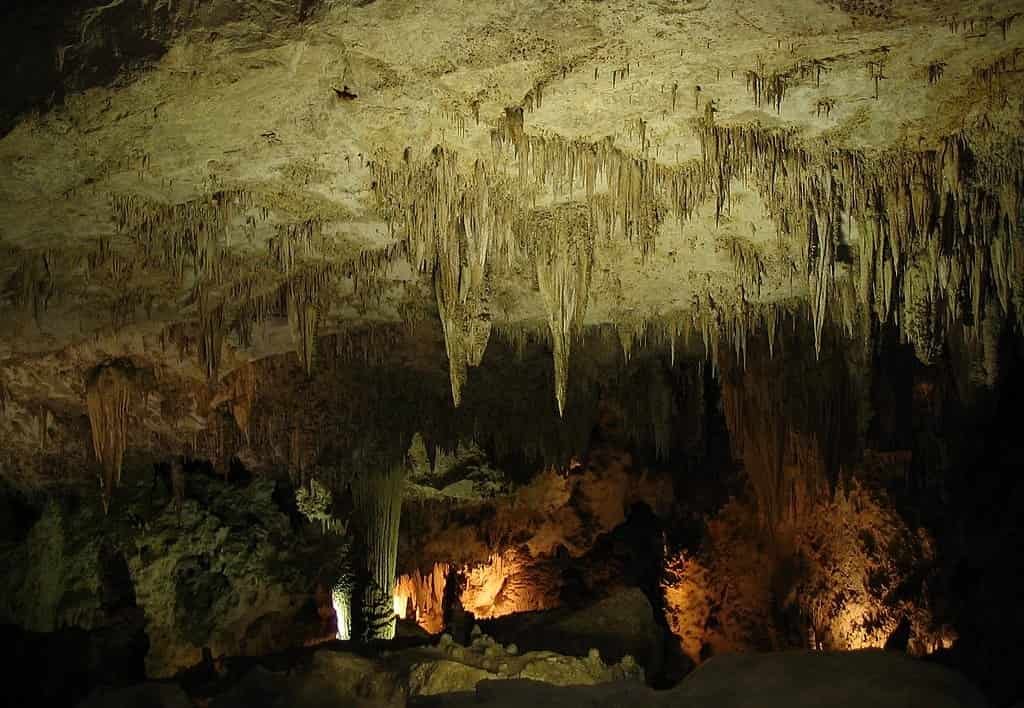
(196, 186)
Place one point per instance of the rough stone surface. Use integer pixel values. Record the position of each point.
(216, 577)
(197, 186)
(444, 677)
(619, 625)
(783, 680)
(865, 678)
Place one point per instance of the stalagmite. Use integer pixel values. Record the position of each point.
(341, 600)
(377, 497)
(108, 397)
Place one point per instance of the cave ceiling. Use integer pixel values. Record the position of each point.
(209, 195)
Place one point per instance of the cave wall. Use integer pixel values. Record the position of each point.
(231, 573)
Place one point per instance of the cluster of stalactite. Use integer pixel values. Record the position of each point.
(927, 238)
(426, 202)
(293, 243)
(794, 421)
(31, 285)
(767, 88)
(952, 211)
(630, 195)
(108, 394)
(301, 270)
(936, 230)
(451, 225)
(305, 291)
(993, 76)
(193, 234)
(749, 260)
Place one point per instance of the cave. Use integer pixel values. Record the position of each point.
(504, 353)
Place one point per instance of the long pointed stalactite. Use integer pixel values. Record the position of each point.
(452, 225)
(211, 340)
(794, 421)
(108, 393)
(303, 320)
(564, 258)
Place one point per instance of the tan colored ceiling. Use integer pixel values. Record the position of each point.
(238, 146)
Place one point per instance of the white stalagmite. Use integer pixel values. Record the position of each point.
(341, 599)
(378, 503)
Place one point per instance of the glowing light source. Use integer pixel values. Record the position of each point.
(342, 602)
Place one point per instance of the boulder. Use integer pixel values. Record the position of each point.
(858, 679)
(865, 679)
(619, 625)
(431, 678)
(329, 679)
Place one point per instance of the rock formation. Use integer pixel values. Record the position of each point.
(437, 309)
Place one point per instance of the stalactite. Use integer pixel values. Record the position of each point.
(377, 497)
(108, 399)
(564, 260)
(770, 88)
(452, 224)
(824, 201)
(172, 234)
(426, 593)
(793, 422)
(292, 243)
(31, 285)
(211, 339)
(935, 71)
(304, 319)
(242, 404)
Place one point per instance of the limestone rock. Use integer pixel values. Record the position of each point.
(444, 677)
(211, 578)
(780, 680)
(843, 680)
(619, 625)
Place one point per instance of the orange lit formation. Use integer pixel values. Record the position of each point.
(501, 586)
(829, 580)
